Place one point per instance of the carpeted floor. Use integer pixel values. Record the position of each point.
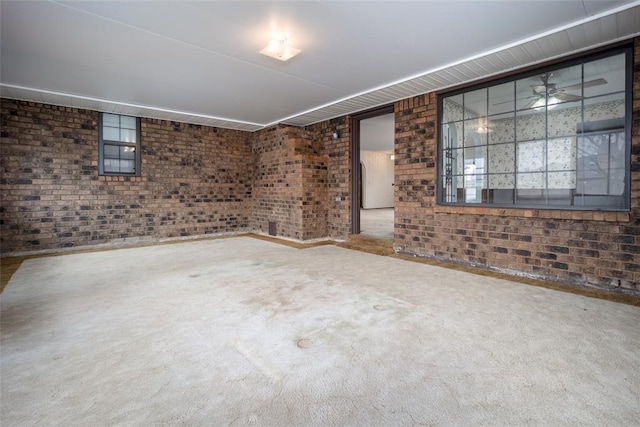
(244, 331)
(377, 223)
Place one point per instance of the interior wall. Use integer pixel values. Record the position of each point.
(377, 181)
(196, 180)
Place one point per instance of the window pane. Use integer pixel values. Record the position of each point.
(453, 190)
(475, 104)
(593, 158)
(530, 125)
(602, 109)
(111, 165)
(531, 180)
(502, 98)
(452, 135)
(452, 164)
(127, 166)
(502, 181)
(128, 153)
(564, 85)
(502, 128)
(112, 120)
(566, 179)
(604, 76)
(531, 156)
(452, 107)
(501, 158)
(474, 173)
(525, 97)
(561, 154)
(617, 164)
(503, 196)
(564, 119)
(128, 135)
(128, 122)
(475, 132)
(111, 134)
(111, 151)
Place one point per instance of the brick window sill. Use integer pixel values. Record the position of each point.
(536, 213)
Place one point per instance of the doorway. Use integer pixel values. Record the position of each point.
(373, 161)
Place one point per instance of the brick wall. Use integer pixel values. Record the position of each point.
(338, 154)
(289, 183)
(195, 181)
(584, 247)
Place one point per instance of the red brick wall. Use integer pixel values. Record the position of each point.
(289, 183)
(338, 153)
(195, 180)
(584, 247)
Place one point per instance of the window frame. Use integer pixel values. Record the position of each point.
(513, 77)
(103, 142)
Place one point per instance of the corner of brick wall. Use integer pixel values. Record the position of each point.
(289, 183)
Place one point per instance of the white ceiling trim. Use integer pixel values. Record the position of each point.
(490, 63)
(108, 106)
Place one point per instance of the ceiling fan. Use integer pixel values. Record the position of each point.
(550, 94)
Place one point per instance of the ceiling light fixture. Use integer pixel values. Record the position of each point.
(278, 48)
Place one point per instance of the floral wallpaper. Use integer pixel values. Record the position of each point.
(533, 154)
(454, 112)
(561, 122)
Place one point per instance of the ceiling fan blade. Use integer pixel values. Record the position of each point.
(566, 96)
(590, 83)
(519, 99)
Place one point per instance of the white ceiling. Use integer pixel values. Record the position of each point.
(198, 61)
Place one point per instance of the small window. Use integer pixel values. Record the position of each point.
(557, 138)
(119, 145)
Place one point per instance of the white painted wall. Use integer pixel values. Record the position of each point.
(377, 191)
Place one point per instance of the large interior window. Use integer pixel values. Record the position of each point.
(557, 137)
(119, 145)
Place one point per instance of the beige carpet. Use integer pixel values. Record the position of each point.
(248, 332)
(377, 223)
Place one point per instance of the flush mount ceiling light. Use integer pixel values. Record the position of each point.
(278, 48)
